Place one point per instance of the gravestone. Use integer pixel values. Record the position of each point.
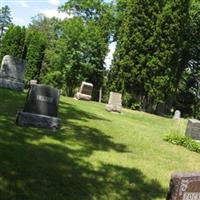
(33, 82)
(177, 114)
(85, 92)
(41, 108)
(12, 73)
(184, 186)
(193, 129)
(115, 102)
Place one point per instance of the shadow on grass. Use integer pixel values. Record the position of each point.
(35, 165)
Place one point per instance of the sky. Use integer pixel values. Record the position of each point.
(23, 10)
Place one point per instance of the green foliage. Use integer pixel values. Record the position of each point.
(80, 50)
(183, 141)
(13, 42)
(35, 44)
(151, 50)
(94, 149)
(188, 96)
(5, 19)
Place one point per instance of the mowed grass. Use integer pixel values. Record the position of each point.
(95, 156)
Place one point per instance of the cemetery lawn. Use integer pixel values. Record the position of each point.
(95, 156)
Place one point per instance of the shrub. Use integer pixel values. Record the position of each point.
(186, 142)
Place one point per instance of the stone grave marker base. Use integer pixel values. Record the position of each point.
(36, 120)
(81, 96)
(113, 108)
(5, 83)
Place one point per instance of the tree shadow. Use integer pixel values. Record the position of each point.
(36, 164)
(50, 171)
(69, 112)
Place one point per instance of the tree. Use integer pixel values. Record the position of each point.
(151, 52)
(134, 50)
(79, 51)
(5, 19)
(13, 42)
(188, 96)
(35, 44)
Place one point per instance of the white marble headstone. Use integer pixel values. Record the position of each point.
(177, 114)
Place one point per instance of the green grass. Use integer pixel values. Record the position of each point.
(95, 156)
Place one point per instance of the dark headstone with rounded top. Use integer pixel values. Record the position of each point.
(184, 186)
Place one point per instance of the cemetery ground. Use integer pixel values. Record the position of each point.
(96, 155)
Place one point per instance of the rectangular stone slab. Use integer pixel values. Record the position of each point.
(80, 96)
(184, 186)
(5, 83)
(40, 121)
(42, 100)
(115, 102)
(115, 99)
(193, 129)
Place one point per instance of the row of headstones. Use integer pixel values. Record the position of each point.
(115, 99)
(41, 106)
(43, 100)
(115, 105)
(41, 110)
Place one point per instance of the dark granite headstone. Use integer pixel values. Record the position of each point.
(12, 73)
(184, 186)
(41, 107)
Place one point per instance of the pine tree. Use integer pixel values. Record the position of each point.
(35, 44)
(152, 50)
(5, 19)
(13, 42)
(134, 51)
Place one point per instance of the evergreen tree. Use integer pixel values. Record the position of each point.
(35, 44)
(188, 96)
(5, 19)
(13, 42)
(135, 49)
(151, 52)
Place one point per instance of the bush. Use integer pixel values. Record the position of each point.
(183, 141)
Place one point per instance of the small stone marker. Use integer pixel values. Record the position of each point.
(115, 102)
(85, 92)
(177, 114)
(33, 82)
(12, 73)
(41, 108)
(184, 186)
(193, 129)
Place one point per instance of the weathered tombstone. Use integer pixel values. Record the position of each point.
(41, 108)
(33, 82)
(184, 186)
(12, 73)
(177, 114)
(115, 102)
(85, 92)
(193, 129)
